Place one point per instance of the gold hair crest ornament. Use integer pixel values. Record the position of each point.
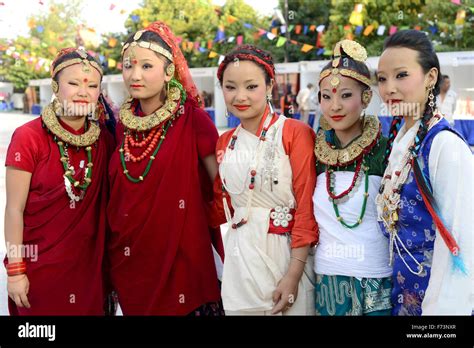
(355, 51)
(148, 45)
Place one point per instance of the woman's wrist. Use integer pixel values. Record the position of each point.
(15, 268)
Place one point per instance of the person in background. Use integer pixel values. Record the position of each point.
(287, 102)
(447, 100)
(304, 102)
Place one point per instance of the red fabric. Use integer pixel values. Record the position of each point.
(66, 278)
(160, 244)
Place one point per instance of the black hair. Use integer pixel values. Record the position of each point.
(427, 58)
(151, 36)
(246, 52)
(68, 56)
(445, 77)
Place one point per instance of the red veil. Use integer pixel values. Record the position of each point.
(182, 72)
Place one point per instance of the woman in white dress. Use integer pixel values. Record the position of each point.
(267, 177)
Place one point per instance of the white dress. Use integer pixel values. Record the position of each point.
(256, 260)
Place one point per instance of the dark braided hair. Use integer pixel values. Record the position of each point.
(427, 58)
(252, 53)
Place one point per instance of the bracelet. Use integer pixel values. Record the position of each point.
(16, 268)
(294, 257)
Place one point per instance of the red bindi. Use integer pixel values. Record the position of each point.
(85, 80)
(334, 91)
(134, 61)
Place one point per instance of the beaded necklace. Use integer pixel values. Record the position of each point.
(60, 137)
(388, 199)
(153, 141)
(335, 159)
(252, 171)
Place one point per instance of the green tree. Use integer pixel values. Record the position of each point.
(303, 12)
(30, 57)
(198, 21)
(436, 17)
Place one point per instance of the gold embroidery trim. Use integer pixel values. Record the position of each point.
(144, 123)
(51, 121)
(329, 156)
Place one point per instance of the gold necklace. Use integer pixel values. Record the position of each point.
(147, 122)
(51, 121)
(328, 155)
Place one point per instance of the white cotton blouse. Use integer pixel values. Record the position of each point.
(360, 252)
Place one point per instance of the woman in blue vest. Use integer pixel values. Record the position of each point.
(426, 198)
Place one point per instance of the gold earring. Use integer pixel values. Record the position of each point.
(366, 97)
(324, 124)
(170, 70)
(58, 108)
(54, 86)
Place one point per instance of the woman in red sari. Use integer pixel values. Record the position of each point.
(160, 252)
(56, 197)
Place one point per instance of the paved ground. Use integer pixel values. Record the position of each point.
(8, 123)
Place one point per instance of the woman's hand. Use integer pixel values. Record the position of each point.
(18, 287)
(285, 294)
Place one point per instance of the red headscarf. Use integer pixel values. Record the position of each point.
(182, 72)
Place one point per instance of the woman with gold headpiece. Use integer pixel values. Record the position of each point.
(160, 252)
(267, 177)
(351, 262)
(56, 196)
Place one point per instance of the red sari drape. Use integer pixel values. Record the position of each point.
(159, 248)
(66, 278)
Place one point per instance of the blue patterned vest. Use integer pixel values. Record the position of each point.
(417, 231)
